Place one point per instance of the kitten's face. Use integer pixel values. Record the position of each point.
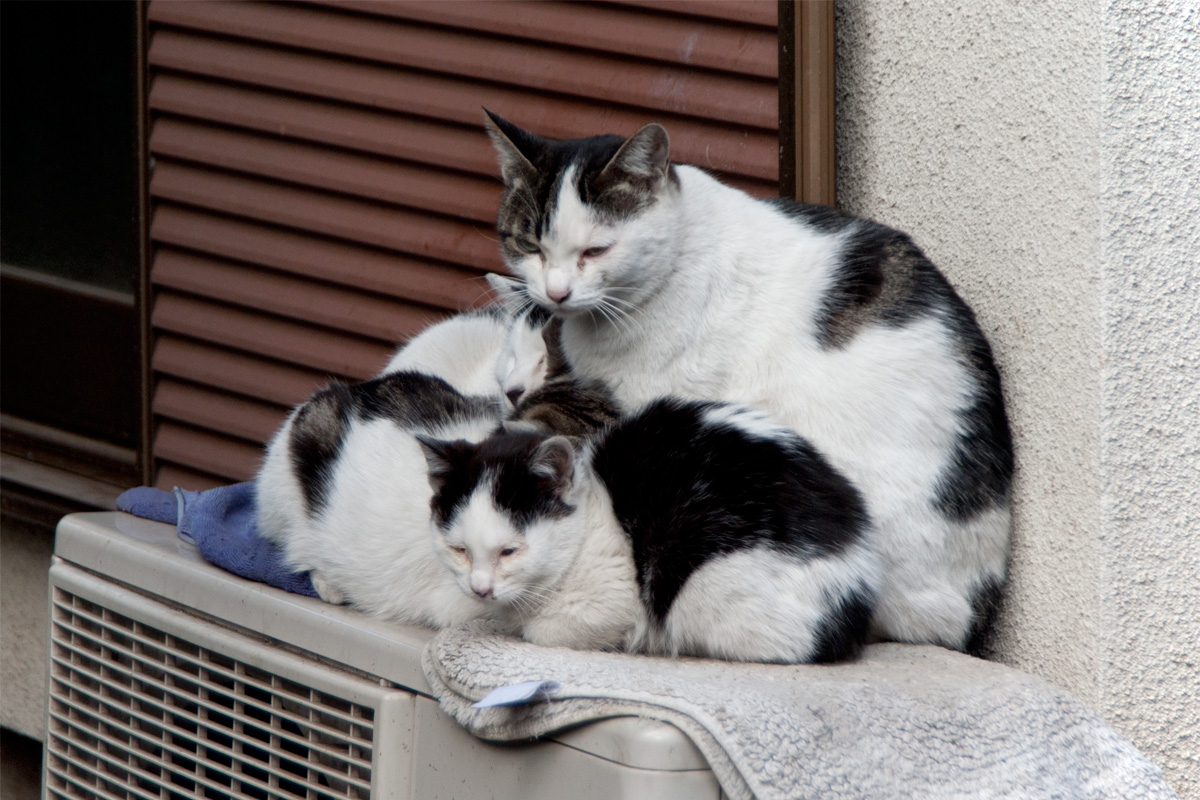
(578, 221)
(502, 518)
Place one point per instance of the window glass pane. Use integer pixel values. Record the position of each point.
(68, 167)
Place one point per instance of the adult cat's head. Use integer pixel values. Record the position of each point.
(504, 515)
(583, 222)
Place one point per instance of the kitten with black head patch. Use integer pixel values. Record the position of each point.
(507, 524)
(672, 284)
(688, 529)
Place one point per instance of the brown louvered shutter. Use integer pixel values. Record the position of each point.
(322, 187)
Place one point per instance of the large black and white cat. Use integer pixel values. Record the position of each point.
(687, 529)
(672, 284)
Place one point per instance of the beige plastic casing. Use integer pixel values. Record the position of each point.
(420, 752)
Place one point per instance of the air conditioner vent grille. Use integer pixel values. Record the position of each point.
(139, 713)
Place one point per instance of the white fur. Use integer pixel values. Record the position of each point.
(461, 350)
(709, 294)
(371, 543)
(521, 365)
(571, 583)
(760, 605)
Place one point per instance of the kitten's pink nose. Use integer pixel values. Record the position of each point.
(484, 592)
(558, 295)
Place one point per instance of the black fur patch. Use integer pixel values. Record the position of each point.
(884, 278)
(412, 399)
(504, 459)
(985, 603)
(409, 399)
(979, 475)
(842, 633)
(824, 218)
(685, 492)
(316, 437)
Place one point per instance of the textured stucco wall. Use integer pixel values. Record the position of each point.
(976, 128)
(1043, 156)
(24, 626)
(1150, 538)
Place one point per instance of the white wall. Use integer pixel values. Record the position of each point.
(1044, 155)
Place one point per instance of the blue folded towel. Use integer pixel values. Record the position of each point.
(221, 523)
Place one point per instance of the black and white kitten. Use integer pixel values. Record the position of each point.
(672, 284)
(687, 529)
(343, 489)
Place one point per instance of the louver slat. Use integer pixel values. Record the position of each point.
(342, 309)
(474, 199)
(333, 215)
(630, 32)
(440, 285)
(322, 187)
(240, 373)
(306, 346)
(745, 11)
(579, 74)
(228, 458)
(735, 149)
(218, 412)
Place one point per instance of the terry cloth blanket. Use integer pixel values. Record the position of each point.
(903, 721)
(221, 522)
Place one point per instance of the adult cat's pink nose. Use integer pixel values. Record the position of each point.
(558, 295)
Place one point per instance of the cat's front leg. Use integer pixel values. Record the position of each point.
(564, 631)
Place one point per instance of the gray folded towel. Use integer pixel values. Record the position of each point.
(902, 721)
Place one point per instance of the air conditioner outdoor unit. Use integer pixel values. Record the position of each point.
(170, 678)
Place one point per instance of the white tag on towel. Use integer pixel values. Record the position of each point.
(518, 694)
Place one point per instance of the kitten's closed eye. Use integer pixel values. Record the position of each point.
(508, 551)
(526, 245)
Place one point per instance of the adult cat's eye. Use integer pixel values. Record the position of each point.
(508, 551)
(594, 252)
(462, 551)
(526, 245)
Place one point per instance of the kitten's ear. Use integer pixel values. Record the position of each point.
(510, 292)
(517, 148)
(645, 156)
(442, 458)
(554, 460)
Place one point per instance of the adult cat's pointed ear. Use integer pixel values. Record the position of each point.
(442, 458)
(645, 156)
(517, 148)
(554, 462)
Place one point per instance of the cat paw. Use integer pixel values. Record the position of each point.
(326, 590)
